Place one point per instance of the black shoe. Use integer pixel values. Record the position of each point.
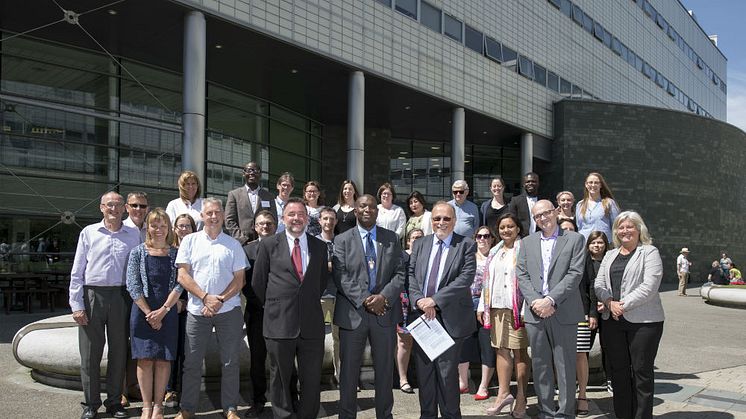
(117, 411)
(255, 410)
(89, 413)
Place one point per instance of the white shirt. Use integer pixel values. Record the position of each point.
(531, 200)
(213, 263)
(683, 264)
(547, 247)
(392, 219)
(303, 242)
(178, 206)
(253, 197)
(434, 251)
(131, 224)
(502, 272)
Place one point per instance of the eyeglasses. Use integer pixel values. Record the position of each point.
(183, 226)
(458, 192)
(545, 214)
(483, 236)
(138, 206)
(113, 205)
(446, 219)
(265, 223)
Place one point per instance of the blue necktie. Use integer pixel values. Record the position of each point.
(370, 259)
(432, 280)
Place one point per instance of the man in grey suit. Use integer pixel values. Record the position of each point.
(441, 270)
(369, 276)
(246, 201)
(549, 269)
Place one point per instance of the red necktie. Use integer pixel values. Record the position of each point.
(298, 260)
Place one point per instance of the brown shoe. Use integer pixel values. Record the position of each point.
(231, 414)
(184, 415)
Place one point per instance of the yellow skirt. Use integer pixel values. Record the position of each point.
(502, 334)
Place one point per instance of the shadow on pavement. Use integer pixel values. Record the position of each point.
(674, 376)
(667, 388)
(712, 414)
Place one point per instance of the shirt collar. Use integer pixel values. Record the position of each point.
(363, 231)
(446, 241)
(553, 236)
(249, 190)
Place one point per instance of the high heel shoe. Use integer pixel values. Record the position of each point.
(495, 410)
(147, 411)
(519, 414)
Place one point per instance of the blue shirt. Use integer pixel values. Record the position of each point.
(100, 259)
(433, 252)
(595, 218)
(467, 217)
(364, 237)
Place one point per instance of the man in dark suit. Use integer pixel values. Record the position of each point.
(265, 226)
(441, 270)
(290, 275)
(245, 202)
(521, 205)
(549, 268)
(369, 276)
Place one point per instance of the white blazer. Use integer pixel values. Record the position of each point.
(640, 282)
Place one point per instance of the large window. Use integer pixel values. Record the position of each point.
(452, 28)
(431, 16)
(423, 166)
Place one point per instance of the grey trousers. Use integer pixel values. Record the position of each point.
(106, 309)
(229, 330)
(553, 343)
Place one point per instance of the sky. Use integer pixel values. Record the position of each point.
(727, 20)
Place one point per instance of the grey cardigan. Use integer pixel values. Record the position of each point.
(640, 282)
(137, 273)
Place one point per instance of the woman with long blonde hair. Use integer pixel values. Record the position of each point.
(598, 209)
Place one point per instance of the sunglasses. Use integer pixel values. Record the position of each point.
(138, 206)
(446, 219)
(458, 192)
(483, 236)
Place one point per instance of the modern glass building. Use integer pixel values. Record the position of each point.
(123, 96)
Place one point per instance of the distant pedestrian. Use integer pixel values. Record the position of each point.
(716, 274)
(682, 270)
(725, 263)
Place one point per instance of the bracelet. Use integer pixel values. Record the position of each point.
(204, 296)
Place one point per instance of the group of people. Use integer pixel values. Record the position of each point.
(510, 275)
(725, 272)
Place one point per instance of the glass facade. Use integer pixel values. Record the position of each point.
(416, 165)
(74, 125)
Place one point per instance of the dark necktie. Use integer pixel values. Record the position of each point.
(298, 260)
(432, 280)
(370, 258)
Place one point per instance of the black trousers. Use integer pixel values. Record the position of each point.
(254, 317)
(631, 350)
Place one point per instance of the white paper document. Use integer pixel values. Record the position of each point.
(431, 336)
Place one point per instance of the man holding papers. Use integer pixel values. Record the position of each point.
(369, 276)
(441, 269)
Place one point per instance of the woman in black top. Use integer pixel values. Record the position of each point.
(493, 208)
(596, 246)
(345, 206)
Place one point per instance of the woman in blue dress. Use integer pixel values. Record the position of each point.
(597, 210)
(151, 282)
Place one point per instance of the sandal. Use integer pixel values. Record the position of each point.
(147, 412)
(582, 412)
(157, 411)
(406, 388)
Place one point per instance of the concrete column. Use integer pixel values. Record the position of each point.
(193, 119)
(527, 153)
(457, 145)
(356, 129)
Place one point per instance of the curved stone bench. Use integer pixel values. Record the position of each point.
(724, 295)
(49, 348)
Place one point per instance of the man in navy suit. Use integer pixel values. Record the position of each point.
(290, 275)
(369, 275)
(441, 270)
